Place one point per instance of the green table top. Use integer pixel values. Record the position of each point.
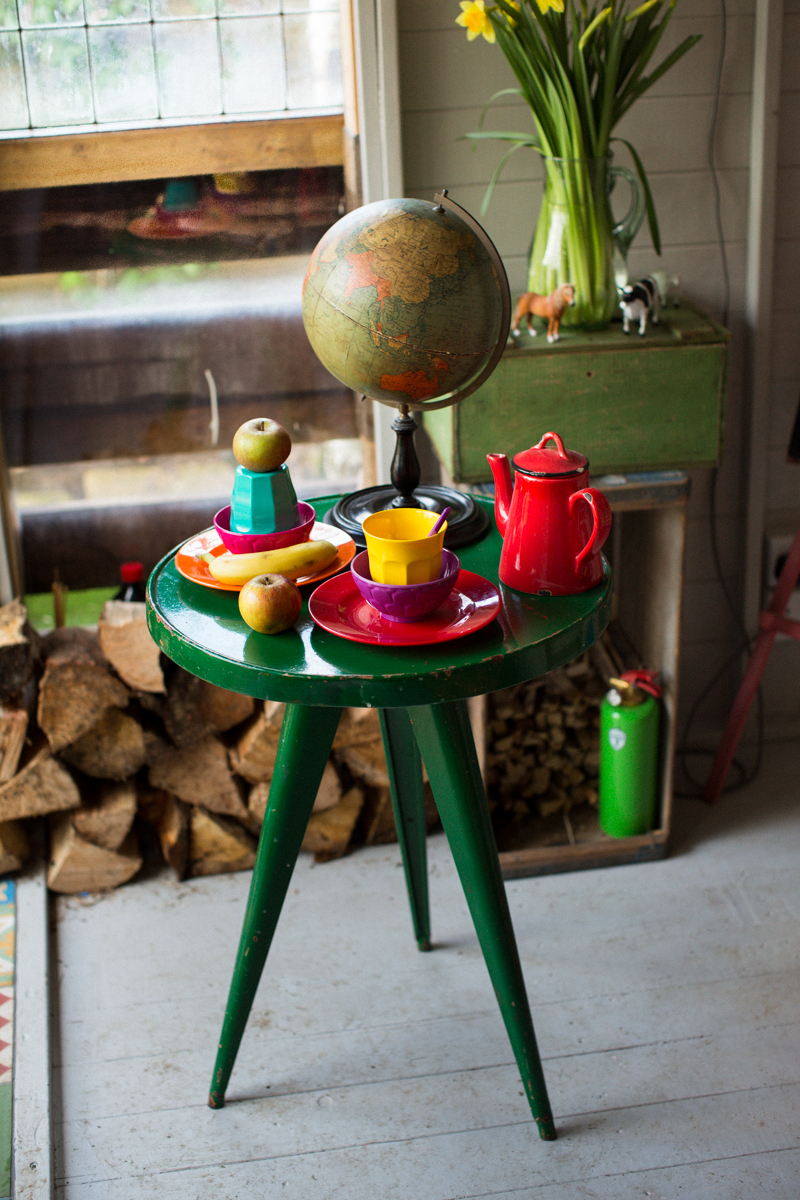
(201, 630)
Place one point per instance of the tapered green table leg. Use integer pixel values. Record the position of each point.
(305, 744)
(408, 803)
(445, 739)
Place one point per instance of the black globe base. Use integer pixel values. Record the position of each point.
(466, 523)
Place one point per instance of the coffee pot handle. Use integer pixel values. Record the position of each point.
(601, 521)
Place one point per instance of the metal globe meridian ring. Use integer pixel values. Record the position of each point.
(408, 302)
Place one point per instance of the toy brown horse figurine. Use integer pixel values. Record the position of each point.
(551, 308)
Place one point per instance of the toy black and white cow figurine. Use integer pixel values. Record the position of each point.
(637, 301)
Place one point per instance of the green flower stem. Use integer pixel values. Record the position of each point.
(579, 71)
(576, 193)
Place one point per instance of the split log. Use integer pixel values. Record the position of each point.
(218, 846)
(156, 747)
(13, 727)
(127, 644)
(377, 825)
(107, 821)
(253, 756)
(367, 762)
(114, 748)
(77, 686)
(195, 708)
(200, 775)
(14, 848)
(328, 833)
(542, 752)
(356, 726)
(330, 793)
(19, 649)
(79, 866)
(42, 786)
(171, 820)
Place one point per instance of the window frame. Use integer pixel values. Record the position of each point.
(364, 139)
(62, 160)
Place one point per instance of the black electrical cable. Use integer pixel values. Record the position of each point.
(685, 749)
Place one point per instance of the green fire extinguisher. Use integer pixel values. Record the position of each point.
(629, 720)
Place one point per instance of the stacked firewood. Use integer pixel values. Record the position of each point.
(542, 751)
(113, 744)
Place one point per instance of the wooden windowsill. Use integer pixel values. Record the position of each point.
(68, 159)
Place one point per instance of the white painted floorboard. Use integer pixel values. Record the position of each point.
(665, 999)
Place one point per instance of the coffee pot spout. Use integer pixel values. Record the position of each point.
(502, 489)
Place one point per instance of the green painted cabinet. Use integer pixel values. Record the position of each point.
(629, 403)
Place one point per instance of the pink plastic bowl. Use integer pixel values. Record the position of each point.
(409, 601)
(253, 543)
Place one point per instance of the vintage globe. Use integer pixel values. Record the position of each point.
(403, 301)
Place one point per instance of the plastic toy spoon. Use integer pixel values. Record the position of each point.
(443, 517)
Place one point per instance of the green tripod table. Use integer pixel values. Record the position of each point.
(421, 695)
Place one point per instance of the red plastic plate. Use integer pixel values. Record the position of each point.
(338, 606)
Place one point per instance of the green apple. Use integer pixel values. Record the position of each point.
(270, 603)
(261, 445)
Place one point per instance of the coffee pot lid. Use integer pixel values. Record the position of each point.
(544, 460)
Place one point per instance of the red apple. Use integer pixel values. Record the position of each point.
(270, 603)
(261, 445)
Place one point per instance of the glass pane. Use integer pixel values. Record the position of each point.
(102, 12)
(57, 70)
(14, 109)
(247, 8)
(8, 14)
(187, 60)
(313, 61)
(182, 10)
(301, 6)
(36, 13)
(253, 76)
(123, 73)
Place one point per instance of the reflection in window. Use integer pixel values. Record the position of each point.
(111, 63)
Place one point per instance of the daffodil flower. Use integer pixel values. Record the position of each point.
(556, 5)
(476, 21)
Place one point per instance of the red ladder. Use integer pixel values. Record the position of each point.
(771, 622)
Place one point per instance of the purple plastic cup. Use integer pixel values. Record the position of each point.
(405, 602)
(254, 543)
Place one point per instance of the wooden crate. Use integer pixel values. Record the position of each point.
(628, 403)
(647, 552)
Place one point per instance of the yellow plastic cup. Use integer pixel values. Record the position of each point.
(399, 548)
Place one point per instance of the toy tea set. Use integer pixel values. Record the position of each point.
(553, 525)
(406, 588)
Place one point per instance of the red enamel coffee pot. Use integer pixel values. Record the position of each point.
(553, 524)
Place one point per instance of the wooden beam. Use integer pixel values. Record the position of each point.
(97, 157)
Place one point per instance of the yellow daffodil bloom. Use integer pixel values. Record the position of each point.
(476, 21)
(556, 5)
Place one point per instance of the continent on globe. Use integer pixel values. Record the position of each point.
(401, 301)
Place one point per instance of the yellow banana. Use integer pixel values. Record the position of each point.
(306, 558)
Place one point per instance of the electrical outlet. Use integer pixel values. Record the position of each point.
(776, 547)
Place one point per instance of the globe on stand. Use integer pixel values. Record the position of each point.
(408, 302)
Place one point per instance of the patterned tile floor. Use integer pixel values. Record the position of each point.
(7, 932)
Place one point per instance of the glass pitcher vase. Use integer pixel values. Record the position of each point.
(578, 241)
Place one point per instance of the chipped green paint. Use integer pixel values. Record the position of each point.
(627, 403)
